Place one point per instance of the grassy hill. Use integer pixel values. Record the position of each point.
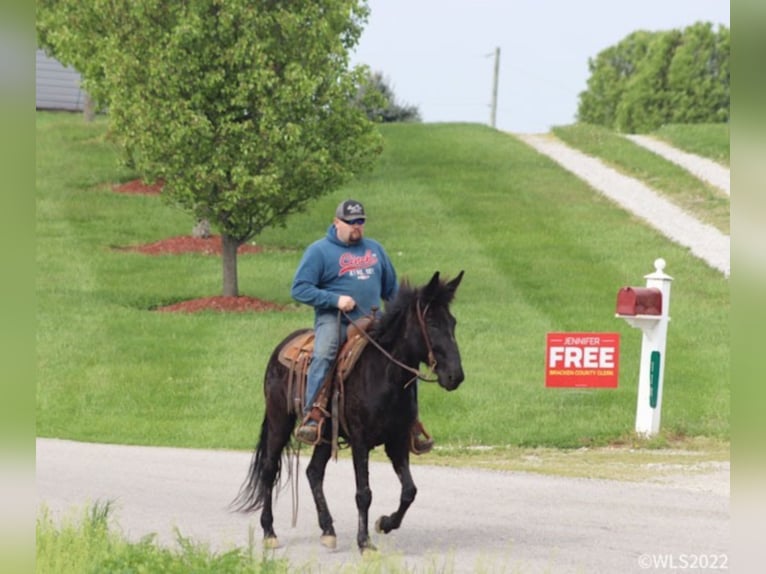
(542, 252)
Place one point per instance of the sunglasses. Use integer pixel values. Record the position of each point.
(359, 221)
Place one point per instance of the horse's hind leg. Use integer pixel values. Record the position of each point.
(275, 444)
(315, 473)
(401, 462)
(363, 496)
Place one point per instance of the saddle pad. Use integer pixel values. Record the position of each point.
(301, 347)
(350, 352)
(298, 349)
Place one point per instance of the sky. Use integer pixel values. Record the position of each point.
(439, 55)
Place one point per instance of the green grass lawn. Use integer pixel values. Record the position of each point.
(542, 252)
(93, 543)
(708, 140)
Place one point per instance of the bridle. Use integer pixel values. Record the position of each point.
(432, 363)
(422, 321)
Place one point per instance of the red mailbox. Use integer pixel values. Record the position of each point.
(639, 301)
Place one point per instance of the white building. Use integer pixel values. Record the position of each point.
(57, 87)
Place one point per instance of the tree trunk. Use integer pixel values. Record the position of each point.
(202, 229)
(229, 259)
(89, 109)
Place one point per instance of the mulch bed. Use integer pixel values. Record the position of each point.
(223, 304)
(212, 245)
(137, 186)
(188, 244)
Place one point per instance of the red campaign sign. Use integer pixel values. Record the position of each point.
(584, 360)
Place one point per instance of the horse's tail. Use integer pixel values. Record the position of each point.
(253, 490)
(266, 464)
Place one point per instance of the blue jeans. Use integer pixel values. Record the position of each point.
(327, 340)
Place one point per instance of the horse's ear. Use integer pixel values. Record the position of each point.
(433, 282)
(431, 289)
(453, 285)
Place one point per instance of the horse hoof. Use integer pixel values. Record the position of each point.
(271, 542)
(369, 550)
(329, 541)
(378, 525)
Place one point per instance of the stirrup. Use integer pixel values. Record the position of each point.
(419, 445)
(311, 434)
(308, 434)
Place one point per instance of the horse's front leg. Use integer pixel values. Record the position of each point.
(315, 473)
(361, 456)
(400, 459)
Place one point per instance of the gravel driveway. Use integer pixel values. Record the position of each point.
(715, 174)
(704, 240)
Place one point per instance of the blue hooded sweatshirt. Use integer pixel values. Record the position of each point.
(330, 268)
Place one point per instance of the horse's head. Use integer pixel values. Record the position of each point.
(438, 329)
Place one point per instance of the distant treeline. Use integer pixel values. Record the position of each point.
(654, 78)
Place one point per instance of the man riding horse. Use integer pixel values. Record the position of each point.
(374, 405)
(344, 276)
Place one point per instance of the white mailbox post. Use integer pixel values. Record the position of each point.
(638, 306)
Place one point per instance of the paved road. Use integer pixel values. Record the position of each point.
(463, 520)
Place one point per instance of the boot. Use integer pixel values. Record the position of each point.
(310, 428)
(420, 441)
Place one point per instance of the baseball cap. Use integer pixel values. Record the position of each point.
(350, 209)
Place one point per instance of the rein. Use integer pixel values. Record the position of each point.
(431, 358)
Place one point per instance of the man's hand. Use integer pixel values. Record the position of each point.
(346, 303)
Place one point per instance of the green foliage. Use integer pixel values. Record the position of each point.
(90, 545)
(542, 252)
(645, 102)
(244, 109)
(76, 34)
(248, 107)
(652, 78)
(376, 97)
(73, 547)
(698, 77)
(609, 75)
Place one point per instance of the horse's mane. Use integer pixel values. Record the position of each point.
(394, 318)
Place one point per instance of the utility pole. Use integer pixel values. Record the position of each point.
(493, 115)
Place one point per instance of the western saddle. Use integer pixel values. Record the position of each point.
(296, 356)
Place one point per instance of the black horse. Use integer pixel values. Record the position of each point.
(379, 407)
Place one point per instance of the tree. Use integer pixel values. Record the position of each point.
(646, 103)
(698, 76)
(609, 75)
(244, 108)
(376, 97)
(648, 79)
